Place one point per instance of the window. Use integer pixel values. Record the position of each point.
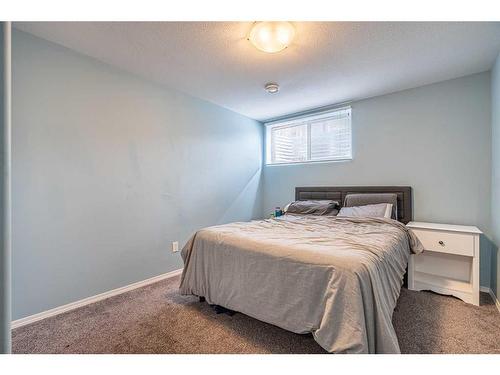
(317, 137)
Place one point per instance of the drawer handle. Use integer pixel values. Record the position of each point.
(441, 243)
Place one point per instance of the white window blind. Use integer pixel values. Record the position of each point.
(289, 144)
(318, 137)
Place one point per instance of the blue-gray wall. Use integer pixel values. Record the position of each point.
(109, 169)
(495, 176)
(5, 284)
(435, 138)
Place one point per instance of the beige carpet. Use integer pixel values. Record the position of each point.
(156, 319)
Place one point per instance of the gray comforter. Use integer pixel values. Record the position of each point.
(336, 277)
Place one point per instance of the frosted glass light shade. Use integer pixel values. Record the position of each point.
(272, 37)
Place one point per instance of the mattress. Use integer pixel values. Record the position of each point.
(338, 278)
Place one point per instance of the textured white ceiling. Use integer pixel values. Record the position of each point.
(328, 62)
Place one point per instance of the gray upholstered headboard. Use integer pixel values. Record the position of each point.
(338, 193)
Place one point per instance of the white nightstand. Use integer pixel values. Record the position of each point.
(450, 262)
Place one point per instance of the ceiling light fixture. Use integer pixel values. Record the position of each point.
(272, 37)
(272, 88)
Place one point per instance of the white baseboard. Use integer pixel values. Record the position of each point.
(490, 292)
(87, 301)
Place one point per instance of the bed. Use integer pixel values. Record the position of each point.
(338, 278)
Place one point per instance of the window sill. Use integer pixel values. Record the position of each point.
(309, 162)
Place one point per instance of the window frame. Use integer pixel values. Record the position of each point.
(300, 120)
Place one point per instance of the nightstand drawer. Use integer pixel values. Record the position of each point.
(446, 242)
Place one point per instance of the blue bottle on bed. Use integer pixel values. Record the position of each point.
(277, 212)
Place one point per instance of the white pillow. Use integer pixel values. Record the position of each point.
(370, 210)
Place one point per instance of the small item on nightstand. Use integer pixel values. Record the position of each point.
(277, 212)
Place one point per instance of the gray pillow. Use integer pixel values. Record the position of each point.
(373, 198)
(313, 208)
(369, 210)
